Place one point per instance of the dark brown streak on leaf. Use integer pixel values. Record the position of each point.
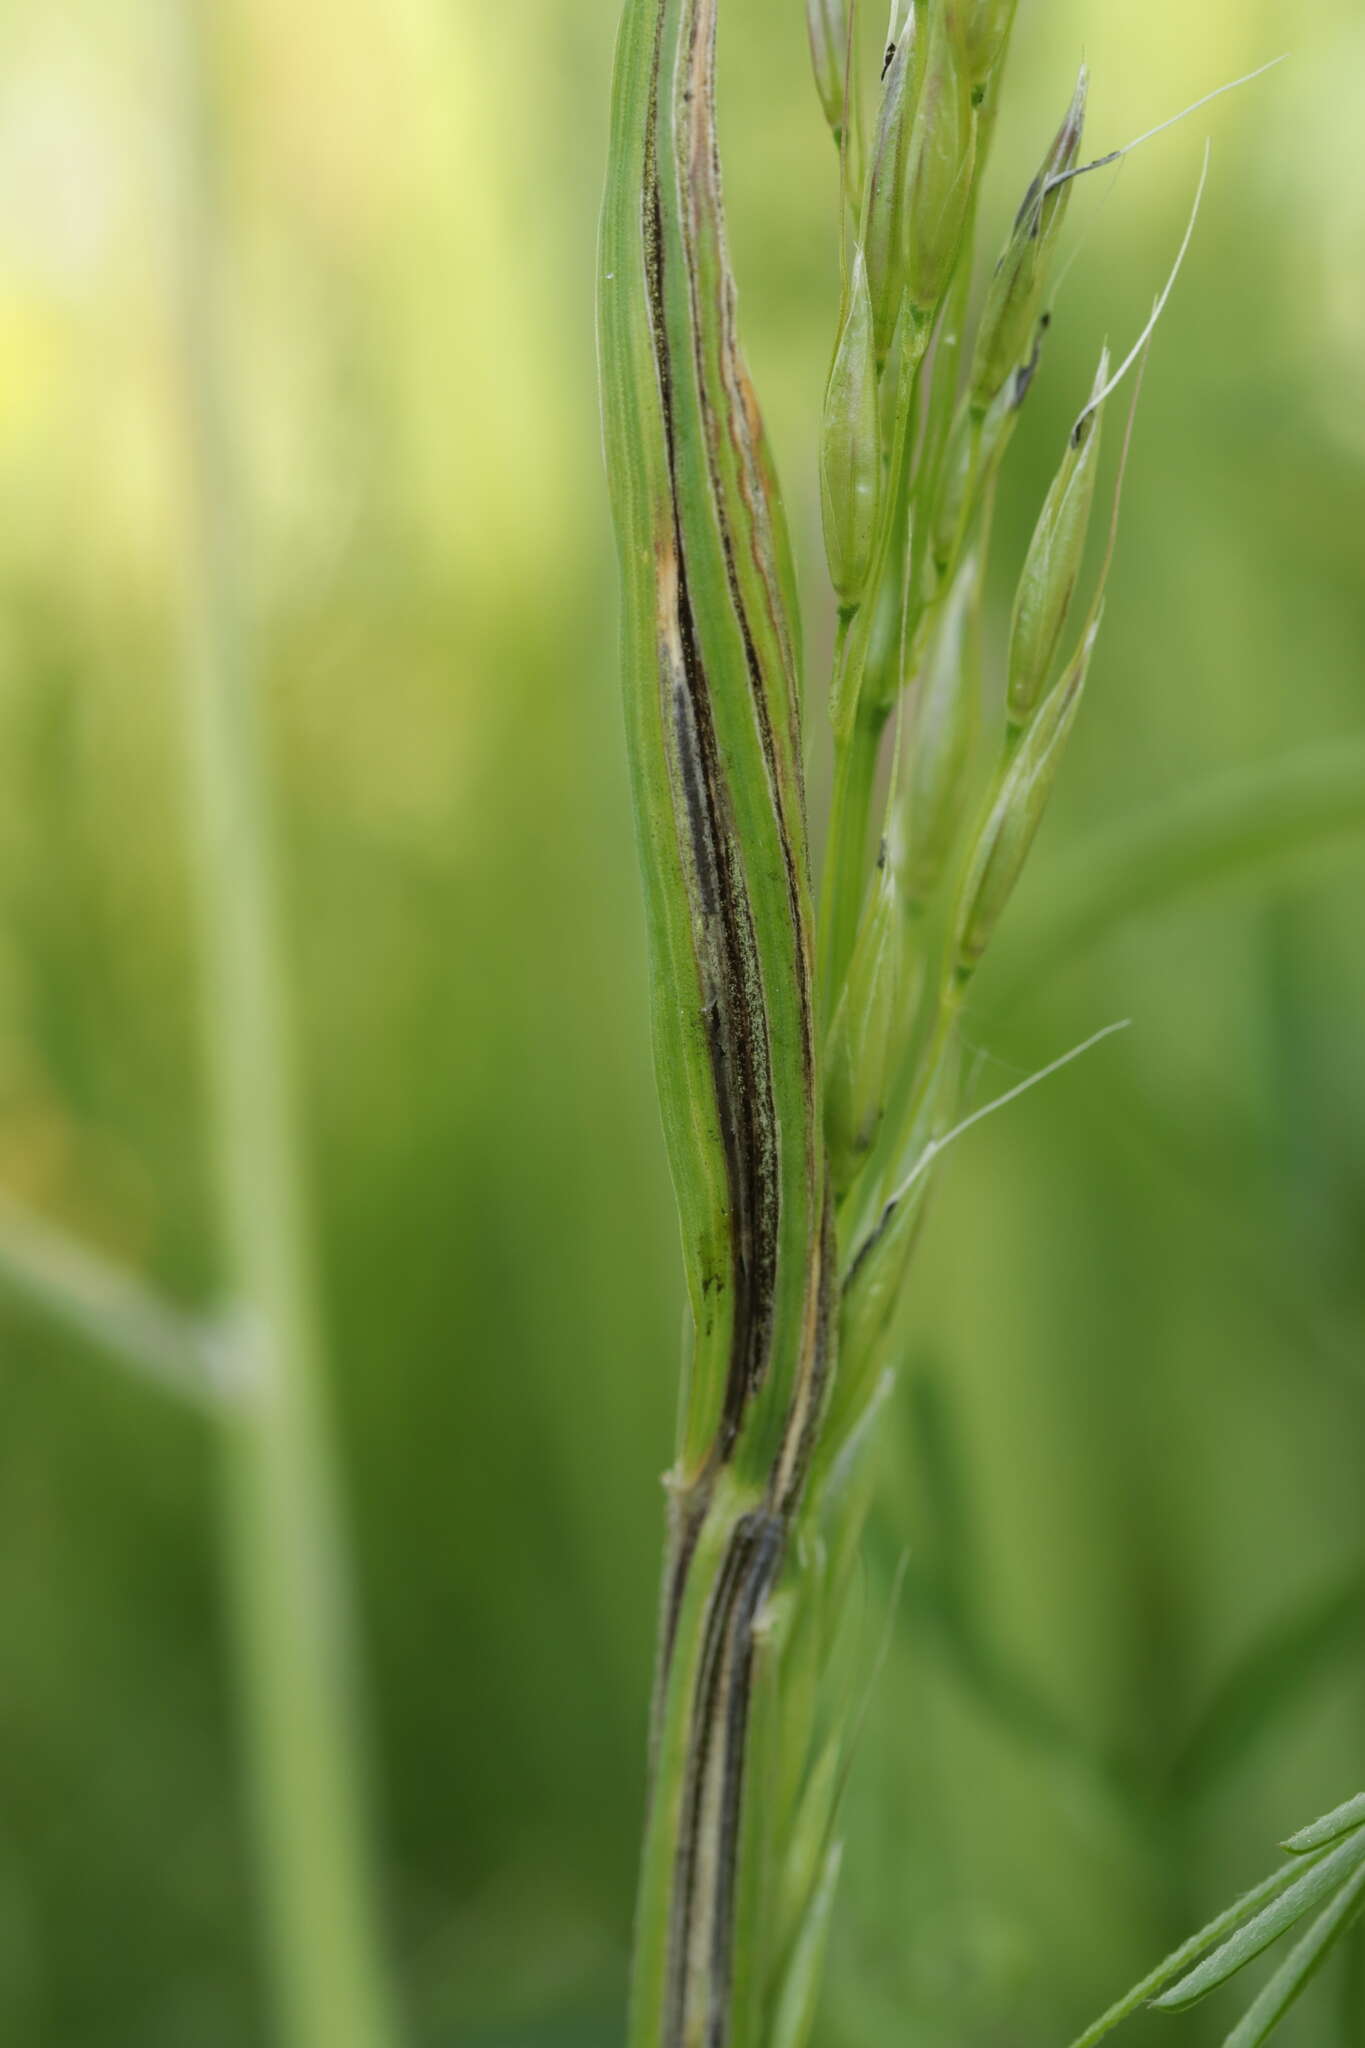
(713, 1799)
(765, 1540)
(741, 421)
(704, 187)
(733, 1002)
(871, 1241)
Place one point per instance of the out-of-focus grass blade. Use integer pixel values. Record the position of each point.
(946, 1491)
(940, 1590)
(1255, 1935)
(800, 1994)
(1243, 825)
(1352, 2003)
(1268, 1681)
(1342, 1820)
(1300, 1966)
(808, 1845)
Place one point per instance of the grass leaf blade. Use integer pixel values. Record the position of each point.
(1180, 1959)
(1272, 1680)
(1299, 1967)
(1342, 1820)
(1309, 1889)
(1251, 823)
(799, 1997)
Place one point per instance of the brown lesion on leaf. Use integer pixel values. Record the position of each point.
(732, 1013)
(702, 1933)
(733, 1009)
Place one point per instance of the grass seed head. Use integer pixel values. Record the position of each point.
(850, 446)
(884, 213)
(1017, 812)
(1053, 563)
(827, 26)
(939, 163)
(941, 740)
(974, 446)
(1014, 299)
(986, 26)
(868, 1029)
(877, 1275)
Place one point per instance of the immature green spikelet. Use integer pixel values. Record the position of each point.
(850, 446)
(986, 29)
(1053, 562)
(939, 163)
(1003, 844)
(973, 454)
(869, 1025)
(883, 669)
(884, 232)
(827, 27)
(1015, 297)
(941, 733)
(876, 1276)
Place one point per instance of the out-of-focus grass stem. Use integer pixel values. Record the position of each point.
(282, 1554)
(112, 1311)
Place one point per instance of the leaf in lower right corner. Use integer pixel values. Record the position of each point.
(1340, 1870)
(1300, 1967)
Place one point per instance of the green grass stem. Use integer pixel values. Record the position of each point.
(282, 1550)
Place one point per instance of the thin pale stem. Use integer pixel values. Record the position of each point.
(281, 1547)
(112, 1311)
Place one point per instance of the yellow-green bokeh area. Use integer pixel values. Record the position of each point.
(1133, 1410)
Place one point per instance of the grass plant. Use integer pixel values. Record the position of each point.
(810, 991)
(282, 1545)
(808, 1061)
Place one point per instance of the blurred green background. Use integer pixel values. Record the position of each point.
(1127, 1453)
